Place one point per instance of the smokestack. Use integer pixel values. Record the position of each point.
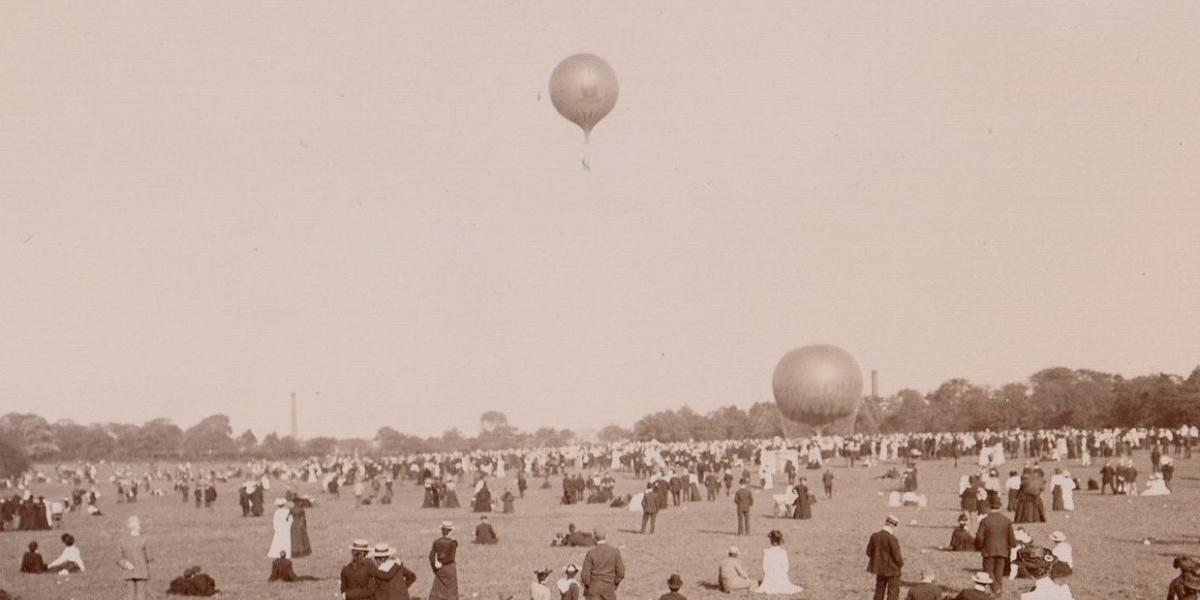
(874, 384)
(295, 426)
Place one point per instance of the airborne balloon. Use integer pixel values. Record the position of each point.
(817, 385)
(584, 90)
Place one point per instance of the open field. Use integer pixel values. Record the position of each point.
(1108, 533)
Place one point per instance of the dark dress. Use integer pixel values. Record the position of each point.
(32, 562)
(803, 508)
(451, 500)
(445, 576)
(1057, 501)
(961, 540)
(1178, 591)
(300, 544)
(508, 503)
(483, 500)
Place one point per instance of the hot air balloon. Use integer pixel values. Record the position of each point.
(584, 90)
(817, 385)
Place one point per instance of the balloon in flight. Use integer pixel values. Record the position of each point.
(583, 88)
(817, 385)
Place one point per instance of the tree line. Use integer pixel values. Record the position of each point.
(1049, 399)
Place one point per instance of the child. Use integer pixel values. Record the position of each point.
(538, 589)
(674, 582)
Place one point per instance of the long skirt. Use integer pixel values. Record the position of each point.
(445, 584)
(1057, 502)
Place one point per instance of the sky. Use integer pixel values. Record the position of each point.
(208, 206)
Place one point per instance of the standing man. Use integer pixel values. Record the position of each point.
(827, 480)
(885, 560)
(744, 499)
(995, 540)
(649, 508)
(603, 570)
(1108, 478)
(356, 576)
(441, 559)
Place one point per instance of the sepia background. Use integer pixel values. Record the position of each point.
(208, 206)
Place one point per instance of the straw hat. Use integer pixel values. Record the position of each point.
(1058, 536)
(360, 546)
(382, 549)
(982, 578)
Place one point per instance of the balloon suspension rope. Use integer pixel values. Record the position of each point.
(587, 135)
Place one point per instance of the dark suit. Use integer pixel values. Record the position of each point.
(744, 499)
(995, 540)
(393, 583)
(924, 591)
(973, 594)
(357, 583)
(885, 561)
(602, 572)
(649, 510)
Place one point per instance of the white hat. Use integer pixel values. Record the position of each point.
(360, 546)
(1058, 536)
(280, 502)
(733, 551)
(982, 578)
(447, 525)
(383, 549)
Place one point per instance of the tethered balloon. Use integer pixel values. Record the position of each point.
(584, 90)
(817, 385)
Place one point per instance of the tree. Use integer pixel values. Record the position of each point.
(907, 413)
(212, 436)
(320, 446)
(492, 420)
(765, 421)
(613, 433)
(158, 438)
(13, 462)
(29, 433)
(390, 441)
(81, 442)
(277, 447)
(247, 443)
(730, 422)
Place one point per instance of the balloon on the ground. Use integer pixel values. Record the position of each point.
(817, 385)
(583, 88)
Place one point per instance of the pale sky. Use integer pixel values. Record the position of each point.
(206, 206)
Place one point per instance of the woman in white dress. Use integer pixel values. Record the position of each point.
(282, 522)
(1068, 490)
(1156, 486)
(776, 566)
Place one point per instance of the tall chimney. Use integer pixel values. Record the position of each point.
(874, 384)
(295, 426)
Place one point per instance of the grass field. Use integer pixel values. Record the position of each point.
(1108, 533)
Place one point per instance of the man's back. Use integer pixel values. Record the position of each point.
(883, 550)
(743, 498)
(995, 536)
(602, 564)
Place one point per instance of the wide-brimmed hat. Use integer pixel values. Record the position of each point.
(447, 525)
(733, 551)
(571, 568)
(674, 581)
(892, 520)
(382, 549)
(360, 546)
(982, 578)
(1058, 536)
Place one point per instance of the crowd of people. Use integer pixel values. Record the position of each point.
(674, 475)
